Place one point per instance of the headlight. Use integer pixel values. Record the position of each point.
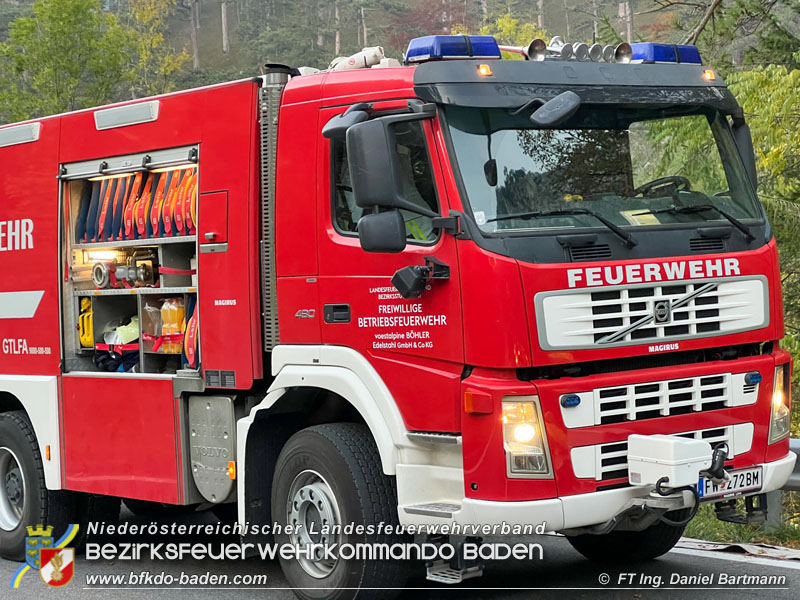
(523, 438)
(780, 419)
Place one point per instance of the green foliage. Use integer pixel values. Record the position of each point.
(676, 144)
(608, 33)
(706, 526)
(511, 32)
(10, 11)
(69, 55)
(156, 63)
(752, 32)
(772, 105)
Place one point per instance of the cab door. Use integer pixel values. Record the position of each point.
(415, 345)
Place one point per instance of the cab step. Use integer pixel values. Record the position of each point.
(458, 568)
(440, 571)
(441, 510)
(755, 507)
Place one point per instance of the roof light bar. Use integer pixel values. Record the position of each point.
(666, 53)
(443, 47)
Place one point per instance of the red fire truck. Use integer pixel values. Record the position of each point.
(457, 291)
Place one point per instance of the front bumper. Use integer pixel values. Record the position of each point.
(582, 510)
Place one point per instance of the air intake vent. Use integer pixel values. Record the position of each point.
(228, 379)
(706, 244)
(212, 378)
(587, 253)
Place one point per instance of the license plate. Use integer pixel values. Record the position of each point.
(742, 481)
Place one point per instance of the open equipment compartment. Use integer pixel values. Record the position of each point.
(130, 241)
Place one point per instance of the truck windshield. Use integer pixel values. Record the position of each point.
(631, 166)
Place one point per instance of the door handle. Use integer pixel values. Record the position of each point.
(336, 313)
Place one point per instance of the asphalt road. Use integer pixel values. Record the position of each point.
(562, 573)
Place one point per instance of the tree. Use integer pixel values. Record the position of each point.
(156, 62)
(69, 55)
(192, 8)
(513, 32)
(10, 11)
(737, 31)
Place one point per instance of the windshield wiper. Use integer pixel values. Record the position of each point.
(618, 231)
(698, 208)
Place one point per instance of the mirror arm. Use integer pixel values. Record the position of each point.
(422, 108)
(737, 116)
(436, 269)
(425, 212)
(365, 106)
(449, 224)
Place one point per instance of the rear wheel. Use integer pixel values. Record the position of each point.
(24, 497)
(631, 546)
(327, 476)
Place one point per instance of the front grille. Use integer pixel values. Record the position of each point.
(626, 315)
(604, 462)
(662, 398)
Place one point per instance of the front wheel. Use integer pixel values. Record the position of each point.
(24, 498)
(328, 477)
(631, 546)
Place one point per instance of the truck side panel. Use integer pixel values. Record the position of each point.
(227, 286)
(123, 443)
(29, 340)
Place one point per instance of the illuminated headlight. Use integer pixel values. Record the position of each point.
(780, 420)
(524, 439)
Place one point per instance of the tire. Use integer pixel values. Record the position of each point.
(95, 509)
(226, 513)
(341, 462)
(37, 505)
(631, 546)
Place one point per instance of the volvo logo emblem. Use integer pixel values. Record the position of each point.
(662, 312)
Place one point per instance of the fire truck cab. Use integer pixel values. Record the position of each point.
(462, 291)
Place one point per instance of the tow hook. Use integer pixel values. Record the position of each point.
(755, 510)
(727, 510)
(717, 470)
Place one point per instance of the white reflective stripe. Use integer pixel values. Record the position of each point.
(19, 305)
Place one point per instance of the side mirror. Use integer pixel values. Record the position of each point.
(375, 172)
(556, 110)
(744, 145)
(382, 232)
(412, 281)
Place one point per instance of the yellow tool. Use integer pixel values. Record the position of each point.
(85, 326)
